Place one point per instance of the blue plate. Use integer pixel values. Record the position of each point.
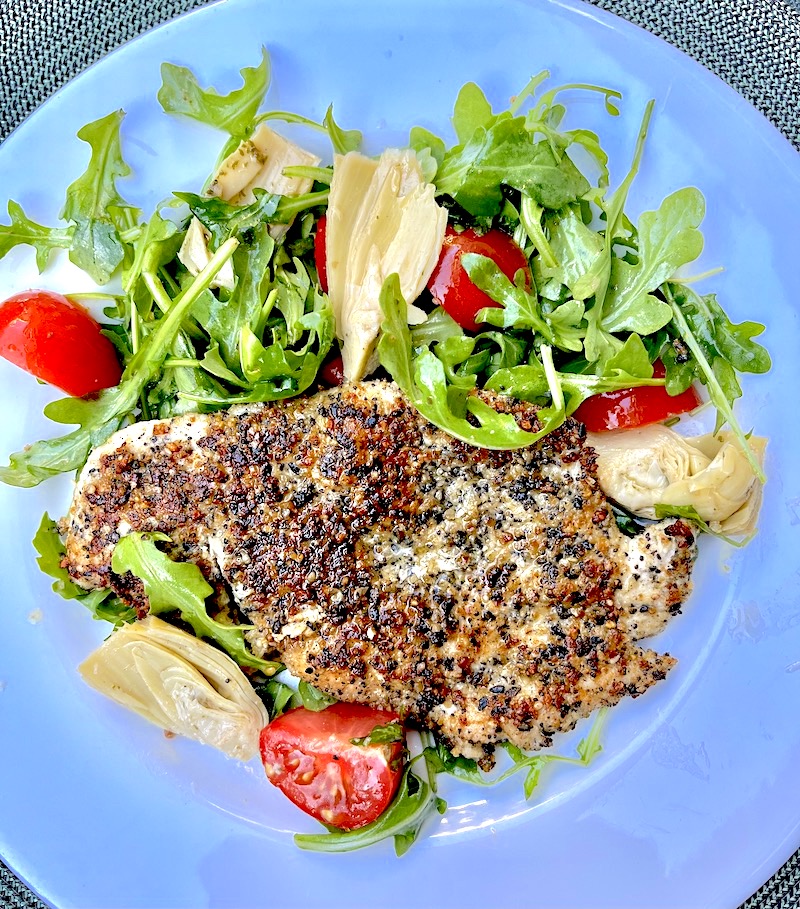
(695, 800)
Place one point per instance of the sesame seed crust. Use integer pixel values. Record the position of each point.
(486, 595)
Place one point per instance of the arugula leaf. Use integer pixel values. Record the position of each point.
(223, 220)
(290, 207)
(519, 308)
(719, 348)
(156, 245)
(497, 149)
(267, 357)
(547, 101)
(530, 230)
(277, 696)
(47, 458)
(182, 376)
(430, 151)
(283, 692)
(381, 735)
(590, 142)
(632, 357)
(720, 337)
(283, 351)
(293, 293)
(24, 231)
(181, 94)
(213, 364)
(443, 761)
(588, 748)
(225, 320)
(181, 586)
(463, 355)
(51, 555)
(97, 418)
(531, 382)
(680, 366)
(472, 111)
(312, 698)
(668, 238)
(546, 117)
(438, 327)
(96, 246)
(626, 522)
(342, 140)
(690, 514)
(599, 341)
(504, 154)
(576, 249)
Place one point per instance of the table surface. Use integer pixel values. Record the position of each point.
(754, 45)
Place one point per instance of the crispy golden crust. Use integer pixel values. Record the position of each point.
(488, 595)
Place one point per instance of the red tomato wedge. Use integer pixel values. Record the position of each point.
(310, 756)
(57, 341)
(320, 253)
(451, 287)
(629, 408)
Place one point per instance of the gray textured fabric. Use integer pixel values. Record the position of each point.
(754, 45)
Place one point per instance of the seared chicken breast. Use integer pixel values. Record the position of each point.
(485, 595)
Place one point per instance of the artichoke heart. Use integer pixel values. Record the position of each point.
(258, 163)
(382, 219)
(195, 255)
(181, 684)
(654, 465)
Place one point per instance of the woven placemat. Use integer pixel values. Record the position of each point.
(754, 45)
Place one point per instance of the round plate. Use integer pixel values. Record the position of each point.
(695, 799)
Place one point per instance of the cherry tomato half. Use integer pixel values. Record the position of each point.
(332, 371)
(632, 407)
(450, 285)
(320, 253)
(57, 341)
(309, 755)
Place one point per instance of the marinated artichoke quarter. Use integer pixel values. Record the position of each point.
(654, 465)
(181, 684)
